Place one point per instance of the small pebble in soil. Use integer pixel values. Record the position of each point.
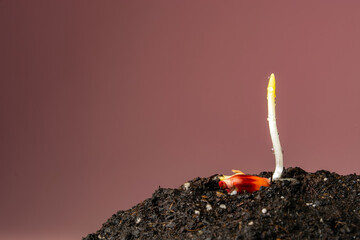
(223, 206)
(264, 210)
(186, 185)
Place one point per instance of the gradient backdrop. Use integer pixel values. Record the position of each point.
(102, 102)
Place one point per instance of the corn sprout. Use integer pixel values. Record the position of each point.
(273, 129)
(241, 182)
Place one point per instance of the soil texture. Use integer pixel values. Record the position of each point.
(320, 205)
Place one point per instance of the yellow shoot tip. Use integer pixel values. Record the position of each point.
(271, 86)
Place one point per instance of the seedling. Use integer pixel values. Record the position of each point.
(273, 129)
(239, 181)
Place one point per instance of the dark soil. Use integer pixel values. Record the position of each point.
(319, 205)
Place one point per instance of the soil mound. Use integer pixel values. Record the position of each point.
(320, 205)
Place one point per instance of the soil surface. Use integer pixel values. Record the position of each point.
(320, 205)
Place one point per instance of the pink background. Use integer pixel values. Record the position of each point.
(103, 101)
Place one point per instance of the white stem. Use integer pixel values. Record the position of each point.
(273, 129)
